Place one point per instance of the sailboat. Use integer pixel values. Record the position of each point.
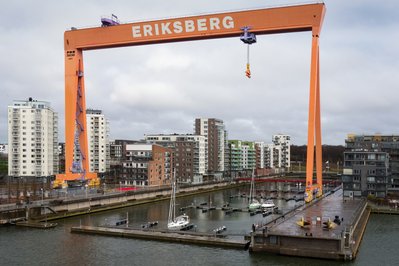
(253, 203)
(179, 222)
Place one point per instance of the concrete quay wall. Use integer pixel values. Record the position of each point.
(126, 199)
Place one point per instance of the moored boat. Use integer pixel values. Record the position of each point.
(268, 204)
(182, 221)
(253, 203)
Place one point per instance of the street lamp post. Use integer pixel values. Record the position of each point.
(41, 189)
(86, 189)
(9, 189)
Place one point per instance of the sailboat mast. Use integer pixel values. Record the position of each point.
(174, 199)
(171, 217)
(252, 190)
(172, 207)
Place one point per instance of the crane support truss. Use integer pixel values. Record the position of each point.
(262, 21)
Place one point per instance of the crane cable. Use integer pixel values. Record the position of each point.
(248, 71)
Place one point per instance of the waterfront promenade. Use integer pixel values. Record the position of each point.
(59, 208)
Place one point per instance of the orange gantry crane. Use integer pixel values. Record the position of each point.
(285, 19)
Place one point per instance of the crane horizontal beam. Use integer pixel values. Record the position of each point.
(262, 21)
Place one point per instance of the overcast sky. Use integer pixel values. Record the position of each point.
(162, 88)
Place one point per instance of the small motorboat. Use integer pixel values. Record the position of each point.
(268, 204)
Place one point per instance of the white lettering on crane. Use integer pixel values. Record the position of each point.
(214, 24)
(165, 28)
(201, 24)
(156, 29)
(147, 30)
(182, 26)
(136, 31)
(177, 27)
(190, 27)
(228, 22)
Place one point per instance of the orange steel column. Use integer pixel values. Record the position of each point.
(319, 169)
(75, 116)
(314, 124)
(71, 86)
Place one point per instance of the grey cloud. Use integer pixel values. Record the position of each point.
(163, 88)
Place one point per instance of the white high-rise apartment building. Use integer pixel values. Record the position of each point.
(260, 154)
(215, 138)
(269, 155)
(244, 151)
(32, 139)
(284, 141)
(98, 141)
(272, 156)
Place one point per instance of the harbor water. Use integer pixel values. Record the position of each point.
(57, 246)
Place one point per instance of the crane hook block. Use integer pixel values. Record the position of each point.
(247, 37)
(248, 72)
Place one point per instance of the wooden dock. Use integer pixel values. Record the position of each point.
(39, 225)
(384, 210)
(169, 236)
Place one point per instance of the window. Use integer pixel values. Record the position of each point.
(371, 172)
